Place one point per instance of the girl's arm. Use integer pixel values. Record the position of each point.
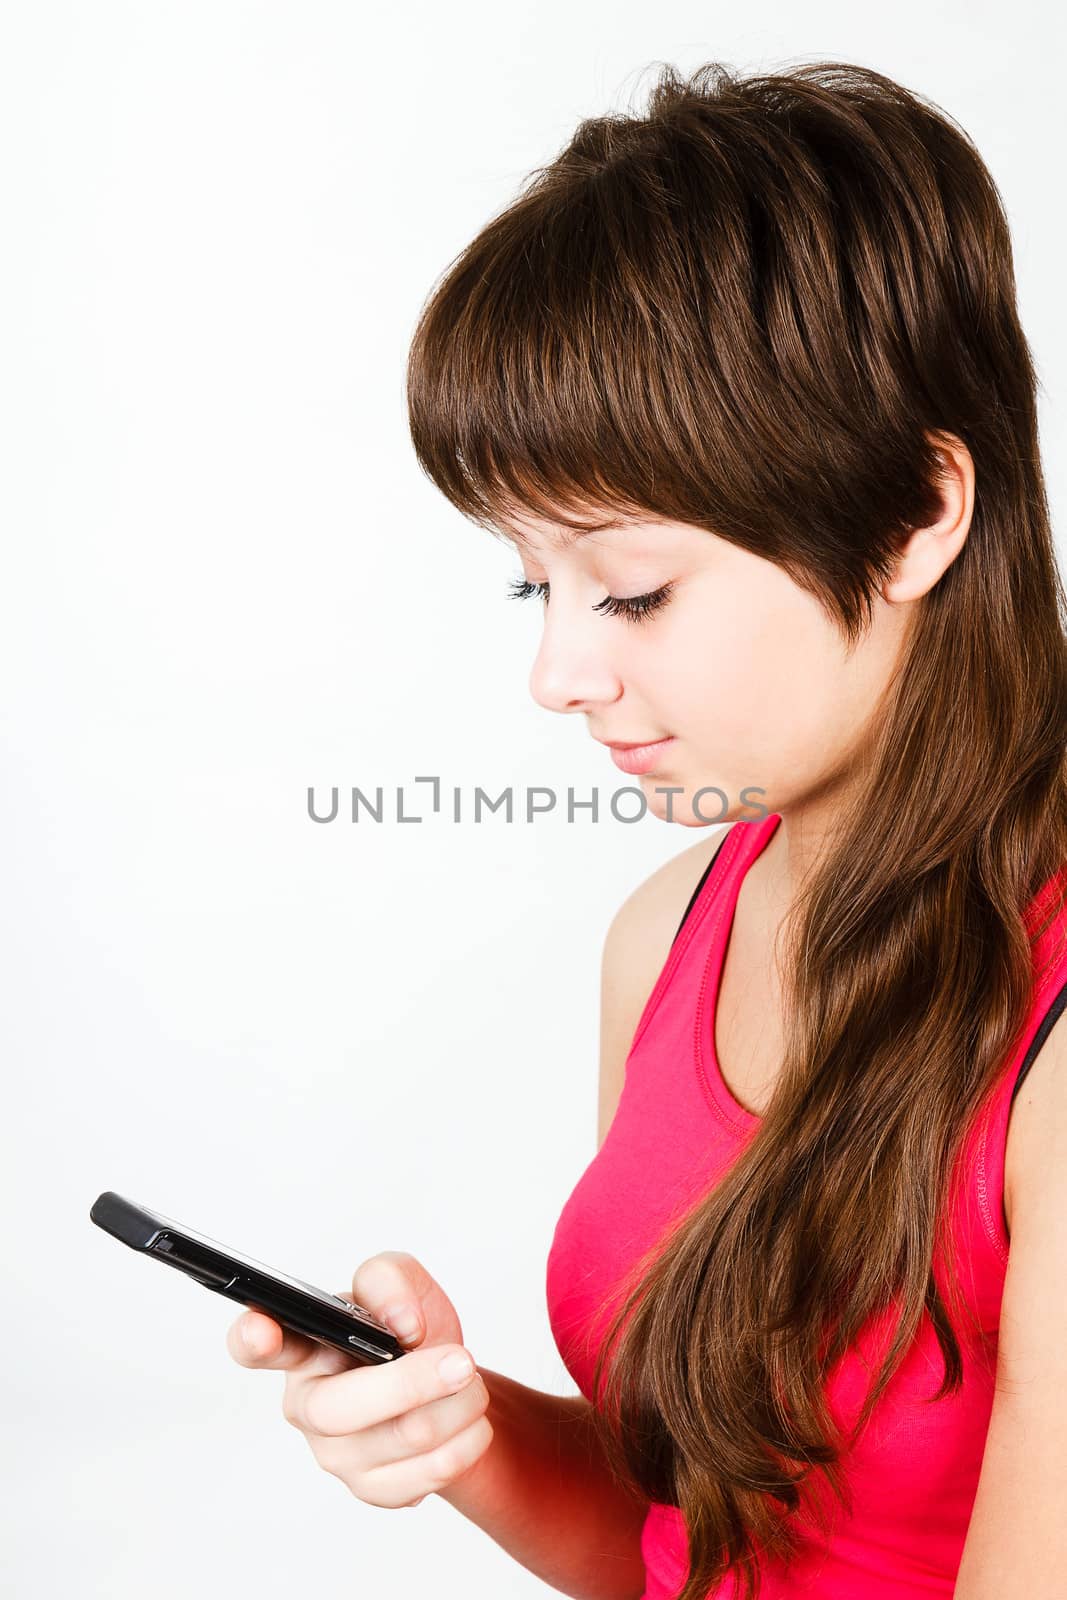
(544, 1493)
(1016, 1546)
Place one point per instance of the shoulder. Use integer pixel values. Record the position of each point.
(647, 921)
(1017, 1526)
(1035, 1158)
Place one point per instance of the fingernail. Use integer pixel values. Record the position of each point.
(455, 1367)
(403, 1320)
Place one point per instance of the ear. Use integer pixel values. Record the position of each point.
(933, 548)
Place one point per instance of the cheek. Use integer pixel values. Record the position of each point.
(759, 677)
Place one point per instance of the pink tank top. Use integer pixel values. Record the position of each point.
(914, 1471)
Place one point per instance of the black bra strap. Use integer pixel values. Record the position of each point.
(703, 879)
(1045, 1028)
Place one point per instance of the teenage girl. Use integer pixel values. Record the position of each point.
(742, 381)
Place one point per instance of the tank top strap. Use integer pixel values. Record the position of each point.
(741, 842)
(704, 876)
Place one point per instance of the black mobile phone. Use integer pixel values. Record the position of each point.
(300, 1306)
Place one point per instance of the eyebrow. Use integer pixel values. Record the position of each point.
(572, 534)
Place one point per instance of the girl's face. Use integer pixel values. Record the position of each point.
(737, 667)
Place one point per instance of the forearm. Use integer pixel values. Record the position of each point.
(544, 1493)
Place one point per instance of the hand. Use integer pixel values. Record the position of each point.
(393, 1432)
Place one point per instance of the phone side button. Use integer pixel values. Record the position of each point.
(373, 1350)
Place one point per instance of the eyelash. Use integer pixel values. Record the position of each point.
(634, 608)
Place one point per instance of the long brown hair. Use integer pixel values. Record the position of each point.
(758, 308)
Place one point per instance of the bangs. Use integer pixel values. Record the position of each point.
(570, 356)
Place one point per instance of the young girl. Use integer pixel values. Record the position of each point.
(743, 382)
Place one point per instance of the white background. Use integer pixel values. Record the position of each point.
(225, 580)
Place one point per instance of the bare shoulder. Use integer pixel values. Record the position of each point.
(648, 918)
(1037, 1127)
(636, 946)
(1016, 1545)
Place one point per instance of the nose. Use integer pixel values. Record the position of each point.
(572, 671)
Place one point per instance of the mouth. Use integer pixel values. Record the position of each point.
(637, 758)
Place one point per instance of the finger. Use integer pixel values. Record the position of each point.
(403, 1483)
(256, 1340)
(416, 1434)
(396, 1288)
(423, 1430)
(347, 1402)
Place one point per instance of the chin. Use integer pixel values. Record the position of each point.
(681, 809)
(682, 814)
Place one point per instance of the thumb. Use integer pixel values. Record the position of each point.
(396, 1288)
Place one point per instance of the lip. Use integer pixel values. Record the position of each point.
(635, 744)
(637, 758)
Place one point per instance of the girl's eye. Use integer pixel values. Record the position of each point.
(522, 589)
(634, 607)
